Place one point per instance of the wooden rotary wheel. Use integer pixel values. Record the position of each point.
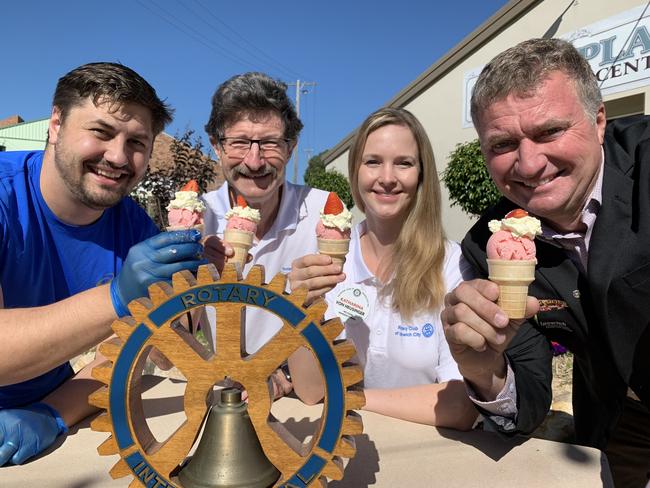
(151, 324)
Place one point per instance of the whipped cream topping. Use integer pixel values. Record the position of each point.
(519, 226)
(248, 213)
(188, 200)
(342, 221)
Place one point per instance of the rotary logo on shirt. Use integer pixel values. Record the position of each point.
(351, 303)
(405, 330)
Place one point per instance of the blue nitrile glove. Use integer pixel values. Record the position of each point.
(155, 259)
(26, 431)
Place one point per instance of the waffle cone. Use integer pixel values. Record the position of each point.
(241, 241)
(513, 278)
(334, 248)
(199, 227)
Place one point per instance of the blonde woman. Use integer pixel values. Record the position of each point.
(394, 280)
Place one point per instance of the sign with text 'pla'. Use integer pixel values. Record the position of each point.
(617, 49)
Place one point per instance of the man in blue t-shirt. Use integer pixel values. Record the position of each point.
(74, 251)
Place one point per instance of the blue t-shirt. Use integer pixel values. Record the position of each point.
(43, 260)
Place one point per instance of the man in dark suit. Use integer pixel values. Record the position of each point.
(541, 122)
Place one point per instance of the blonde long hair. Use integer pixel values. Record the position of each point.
(418, 254)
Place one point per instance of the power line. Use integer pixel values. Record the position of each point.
(242, 39)
(228, 39)
(191, 32)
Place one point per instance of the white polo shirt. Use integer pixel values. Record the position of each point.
(393, 352)
(292, 235)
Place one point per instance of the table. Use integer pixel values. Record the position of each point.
(390, 453)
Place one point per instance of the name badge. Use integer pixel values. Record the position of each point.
(351, 303)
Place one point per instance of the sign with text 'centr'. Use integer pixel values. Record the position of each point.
(617, 49)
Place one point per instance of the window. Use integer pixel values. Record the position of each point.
(626, 106)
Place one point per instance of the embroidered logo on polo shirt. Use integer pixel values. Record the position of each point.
(414, 331)
(427, 330)
(551, 304)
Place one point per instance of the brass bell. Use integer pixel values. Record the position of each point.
(229, 454)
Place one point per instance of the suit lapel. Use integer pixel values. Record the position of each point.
(613, 232)
(612, 228)
(559, 278)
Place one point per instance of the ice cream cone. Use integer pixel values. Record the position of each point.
(513, 278)
(241, 241)
(335, 248)
(199, 227)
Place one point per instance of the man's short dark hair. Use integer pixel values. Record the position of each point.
(254, 95)
(113, 83)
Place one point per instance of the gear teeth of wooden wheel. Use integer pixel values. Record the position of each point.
(139, 310)
(278, 283)
(344, 351)
(207, 273)
(103, 372)
(353, 425)
(124, 327)
(355, 399)
(160, 293)
(230, 273)
(255, 276)
(318, 307)
(99, 398)
(332, 329)
(102, 423)
(111, 349)
(120, 470)
(352, 375)
(108, 447)
(345, 447)
(182, 281)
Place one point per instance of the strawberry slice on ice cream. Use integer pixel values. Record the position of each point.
(333, 229)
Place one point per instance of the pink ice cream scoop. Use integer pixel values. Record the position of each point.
(331, 232)
(503, 245)
(182, 217)
(240, 223)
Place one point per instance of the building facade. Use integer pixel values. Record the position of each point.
(613, 36)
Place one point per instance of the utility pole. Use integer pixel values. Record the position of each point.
(300, 88)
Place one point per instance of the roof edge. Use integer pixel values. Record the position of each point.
(477, 38)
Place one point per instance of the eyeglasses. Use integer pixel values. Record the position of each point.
(238, 147)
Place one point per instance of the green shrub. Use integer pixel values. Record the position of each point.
(468, 181)
(317, 176)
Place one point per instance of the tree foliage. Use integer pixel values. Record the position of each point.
(188, 162)
(317, 176)
(468, 181)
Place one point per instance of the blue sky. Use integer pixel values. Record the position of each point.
(360, 54)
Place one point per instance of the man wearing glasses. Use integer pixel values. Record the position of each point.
(254, 128)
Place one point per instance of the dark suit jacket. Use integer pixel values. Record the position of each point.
(602, 317)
